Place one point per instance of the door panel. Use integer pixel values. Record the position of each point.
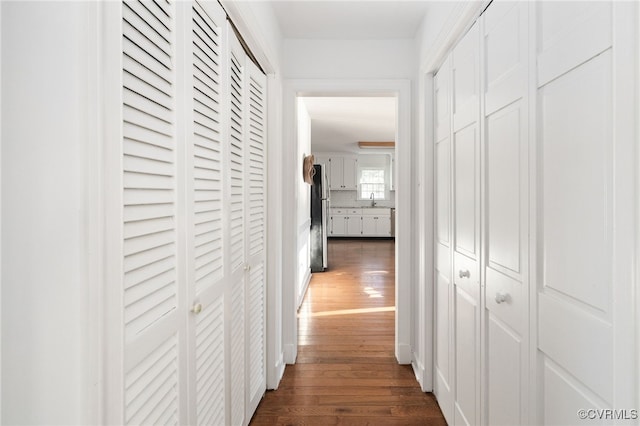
(506, 240)
(504, 370)
(206, 237)
(444, 351)
(466, 174)
(467, 314)
(582, 189)
(577, 183)
(256, 96)
(236, 160)
(443, 191)
(149, 249)
(466, 73)
(505, 146)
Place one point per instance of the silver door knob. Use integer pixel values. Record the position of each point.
(197, 308)
(247, 267)
(463, 274)
(500, 297)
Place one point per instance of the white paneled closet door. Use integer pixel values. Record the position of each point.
(255, 95)
(466, 225)
(151, 312)
(444, 356)
(585, 297)
(207, 214)
(505, 203)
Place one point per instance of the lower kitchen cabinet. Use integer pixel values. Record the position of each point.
(360, 222)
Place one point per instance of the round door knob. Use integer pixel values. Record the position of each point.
(501, 297)
(197, 308)
(247, 267)
(463, 274)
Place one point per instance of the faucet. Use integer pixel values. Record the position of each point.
(372, 197)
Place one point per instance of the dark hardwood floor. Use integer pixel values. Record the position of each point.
(346, 372)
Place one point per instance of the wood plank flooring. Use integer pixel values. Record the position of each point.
(346, 372)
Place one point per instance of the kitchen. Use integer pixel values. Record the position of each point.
(353, 196)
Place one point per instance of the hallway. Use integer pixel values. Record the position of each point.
(346, 371)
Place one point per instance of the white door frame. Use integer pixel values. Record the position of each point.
(401, 89)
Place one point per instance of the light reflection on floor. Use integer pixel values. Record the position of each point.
(346, 312)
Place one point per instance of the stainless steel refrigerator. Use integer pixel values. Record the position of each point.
(319, 218)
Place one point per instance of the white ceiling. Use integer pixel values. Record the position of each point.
(339, 123)
(349, 19)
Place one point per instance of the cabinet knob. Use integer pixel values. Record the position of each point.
(197, 308)
(247, 267)
(501, 297)
(463, 274)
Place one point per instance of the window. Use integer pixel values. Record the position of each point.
(371, 181)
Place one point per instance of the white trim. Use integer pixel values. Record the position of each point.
(111, 103)
(625, 118)
(460, 20)
(306, 280)
(426, 241)
(1, 213)
(245, 21)
(94, 217)
(404, 195)
(274, 233)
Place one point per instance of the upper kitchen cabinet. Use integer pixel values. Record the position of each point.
(343, 172)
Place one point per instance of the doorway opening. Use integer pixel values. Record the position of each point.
(398, 166)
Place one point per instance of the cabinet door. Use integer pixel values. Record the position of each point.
(350, 174)
(338, 225)
(354, 226)
(336, 174)
(369, 226)
(383, 226)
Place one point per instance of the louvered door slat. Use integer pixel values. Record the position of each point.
(149, 227)
(133, 132)
(147, 74)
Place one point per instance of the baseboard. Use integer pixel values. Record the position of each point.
(305, 286)
(290, 353)
(278, 372)
(403, 353)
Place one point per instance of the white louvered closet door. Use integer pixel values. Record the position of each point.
(149, 247)
(206, 24)
(235, 188)
(255, 175)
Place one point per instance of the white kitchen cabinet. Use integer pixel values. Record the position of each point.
(376, 222)
(338, 225)
(343, 173)
(354, 226)
(346, 222)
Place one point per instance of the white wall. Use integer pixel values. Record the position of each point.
(45, 288)
(357, 59)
